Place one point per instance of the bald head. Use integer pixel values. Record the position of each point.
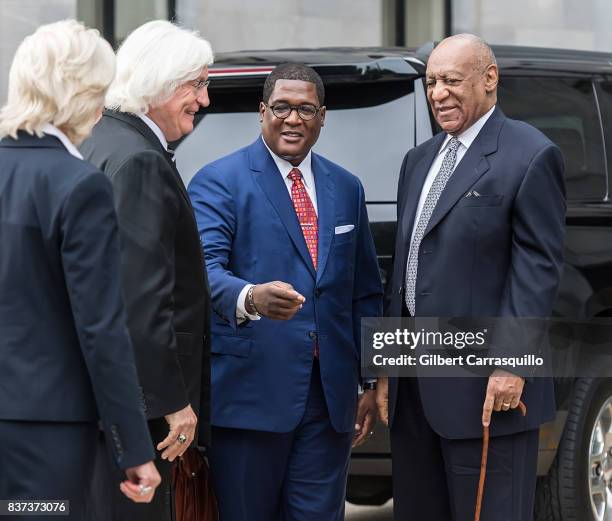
(462, 81)
(480, 51)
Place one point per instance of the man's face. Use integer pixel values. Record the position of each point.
(291, 138)
(458, 93)
(175, 116)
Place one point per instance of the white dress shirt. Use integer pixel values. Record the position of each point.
(466, 138)
(156, 130)
(284, 167)
(52, 130)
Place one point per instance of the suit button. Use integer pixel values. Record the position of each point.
(312, 335)
(317, 292)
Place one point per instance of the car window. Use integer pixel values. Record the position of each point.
(565, 110)
(604, 96)
(369, 135)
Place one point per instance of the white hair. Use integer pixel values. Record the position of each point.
(153, 61)
(59, 75)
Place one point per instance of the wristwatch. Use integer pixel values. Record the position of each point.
(251, 302)
(369, 386)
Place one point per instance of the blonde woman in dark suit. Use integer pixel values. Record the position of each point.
(66, 360)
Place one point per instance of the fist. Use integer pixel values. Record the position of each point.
(277, 300)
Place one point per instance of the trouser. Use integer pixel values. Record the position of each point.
(294, 476)
(47, 461)
(437, 479)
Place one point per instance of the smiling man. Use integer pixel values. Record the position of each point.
(480, 214)
(292, 270)
(162, 79)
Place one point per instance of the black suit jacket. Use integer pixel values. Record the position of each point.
(495, 254)
(164, 278)
(65, 353)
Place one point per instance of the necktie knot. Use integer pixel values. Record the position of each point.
(170, 154)
(453, 144)
(295, 174)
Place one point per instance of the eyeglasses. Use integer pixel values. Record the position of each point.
(199, 84)
(283, 110)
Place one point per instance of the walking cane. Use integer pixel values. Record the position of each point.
(483, 464)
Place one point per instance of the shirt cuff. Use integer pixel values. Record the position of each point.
(241, 312)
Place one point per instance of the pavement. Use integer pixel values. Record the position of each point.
(361, 513)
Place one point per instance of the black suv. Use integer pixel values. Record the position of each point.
(377, 110)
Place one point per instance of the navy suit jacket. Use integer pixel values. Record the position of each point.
(261, 369)
(65, 353)
(498, 254)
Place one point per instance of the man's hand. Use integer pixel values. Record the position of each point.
(141, 483)
(182, 426)
(277, 300)
(382, 399)
(366, 417)
(503, 393)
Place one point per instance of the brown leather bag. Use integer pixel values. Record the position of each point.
(194, 497)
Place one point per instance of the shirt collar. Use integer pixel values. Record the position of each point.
(156, 130)
(467, 137)
(52, 130)
(284, 166)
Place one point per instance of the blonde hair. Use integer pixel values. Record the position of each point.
(153, 61)
(59, 75)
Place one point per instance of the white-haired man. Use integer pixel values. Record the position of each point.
(161, 83)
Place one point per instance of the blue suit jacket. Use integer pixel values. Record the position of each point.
(65, 353)
(261, 369)
(496, 255)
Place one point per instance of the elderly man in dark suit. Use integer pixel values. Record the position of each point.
(481, 211)
(66, 360)
(161, 83)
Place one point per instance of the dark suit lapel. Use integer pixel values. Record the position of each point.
(271, 182)
(179, 180)
(472, 166)
(326, 210)
(414, 188)
(139, 125)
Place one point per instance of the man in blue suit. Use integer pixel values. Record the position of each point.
(292, 270)
(481, 211)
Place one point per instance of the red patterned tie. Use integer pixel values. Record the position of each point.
(306, 213)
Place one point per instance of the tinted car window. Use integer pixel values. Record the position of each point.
(604, 95)
(565, 110)
(368, 129)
